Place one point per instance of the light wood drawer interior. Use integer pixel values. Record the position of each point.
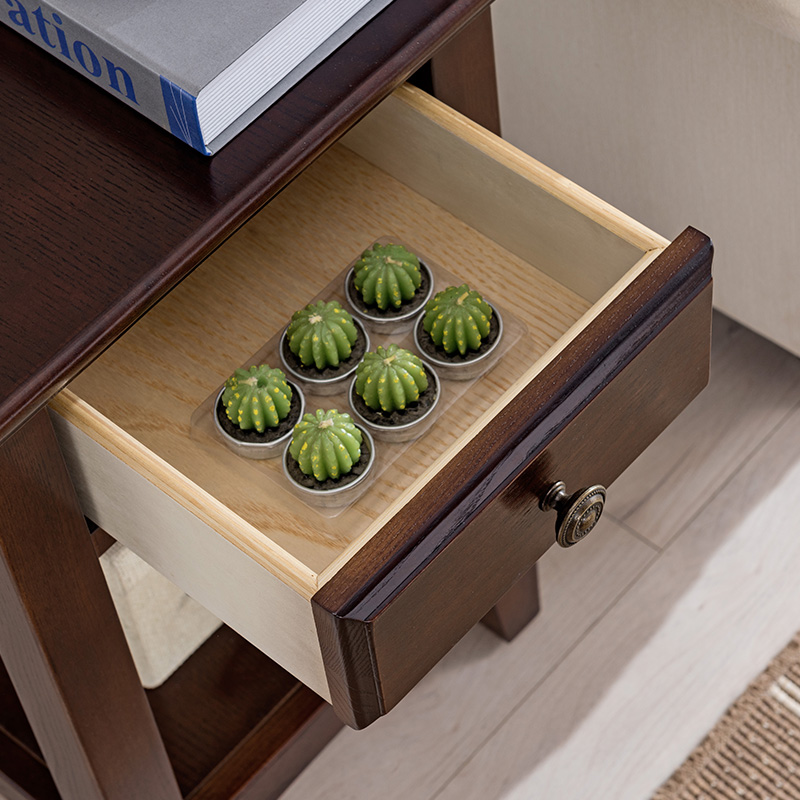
(545, 250)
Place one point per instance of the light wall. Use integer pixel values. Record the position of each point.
(678, 112)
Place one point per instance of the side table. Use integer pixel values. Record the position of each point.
(88, 191)
(116, 214)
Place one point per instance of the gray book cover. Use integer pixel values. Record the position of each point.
(201, 69)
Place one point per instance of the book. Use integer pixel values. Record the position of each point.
(201, 69)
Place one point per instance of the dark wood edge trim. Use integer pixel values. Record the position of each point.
(424, 36)
(610, 342)
(346, 606)
(348, 656)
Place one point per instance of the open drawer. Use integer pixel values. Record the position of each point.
(359, 606)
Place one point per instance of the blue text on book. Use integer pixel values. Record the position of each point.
(82, 53)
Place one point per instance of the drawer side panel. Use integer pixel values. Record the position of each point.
(218, 575)
(581, 241)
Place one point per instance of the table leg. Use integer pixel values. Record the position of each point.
(516, 608)
(60, 637)
(463, 73)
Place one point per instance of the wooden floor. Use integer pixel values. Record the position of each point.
(649, 629)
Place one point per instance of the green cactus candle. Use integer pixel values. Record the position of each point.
(257, 398)
(326, 444)
(387, 275)
(322, 334)
(457, 319)
(390, 378)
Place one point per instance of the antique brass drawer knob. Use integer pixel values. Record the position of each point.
(577, 514)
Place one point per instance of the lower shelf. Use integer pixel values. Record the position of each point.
(235, 725)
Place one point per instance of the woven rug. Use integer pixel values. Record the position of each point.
(753, 752)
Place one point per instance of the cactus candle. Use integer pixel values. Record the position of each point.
(322, 346)
(394, 393)
(387, 275)
(457, 319)
(256, 410)
(328, 453)
(388, 286)
(321, 334)
(390, 379)
(459, 332)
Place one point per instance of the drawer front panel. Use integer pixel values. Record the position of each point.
(395, 609)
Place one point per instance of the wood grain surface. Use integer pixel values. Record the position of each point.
(516, 608)
(152, 381)
(462, 74)
(61, 640)
(23, 772)
(541, 216)
(397, 606)
(141, 468)
(136, 402)
(104, 208)
(235, 724)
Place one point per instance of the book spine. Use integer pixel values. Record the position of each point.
(107, 66)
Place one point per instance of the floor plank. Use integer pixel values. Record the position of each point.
(408, 753)
(753, 385)
(646, 683)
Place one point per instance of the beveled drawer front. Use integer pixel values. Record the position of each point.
(341, 601)
(403, 602)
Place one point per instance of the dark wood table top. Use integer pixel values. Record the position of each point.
(103, 212)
